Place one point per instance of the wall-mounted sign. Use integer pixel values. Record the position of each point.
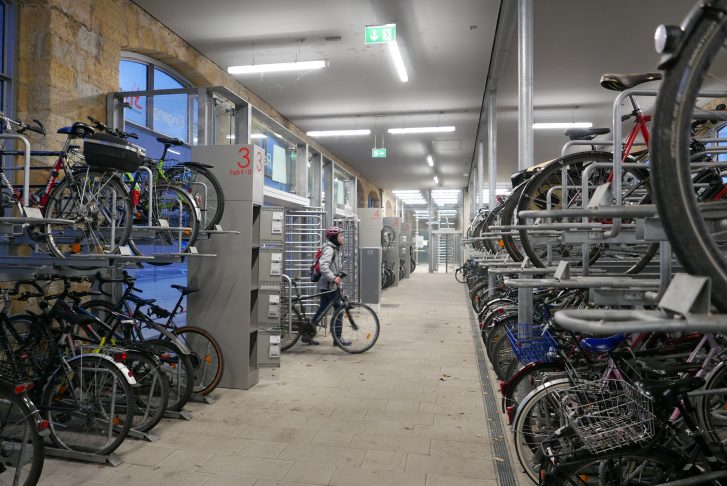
(380, 34)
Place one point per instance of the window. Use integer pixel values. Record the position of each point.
(166, 114)
(7, 37)
(281, 156)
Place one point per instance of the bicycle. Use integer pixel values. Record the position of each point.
(360, 324)
(205, 353)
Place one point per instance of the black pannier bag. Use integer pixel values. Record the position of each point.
(105, 151)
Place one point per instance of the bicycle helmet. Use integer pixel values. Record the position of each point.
(333, 231)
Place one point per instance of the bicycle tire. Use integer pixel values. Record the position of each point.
(494, 218)
(711, 408)
(71, 426)
(533, 196)
(151, 391)
(527, 437)
(18, 427)
(527, 379)
(360, 328)
(165, 203)
(288, 337)
(686, 227)
(178, 369)
(652, 466)
(508, 219)
(206, 352)
(91, 199)
(503, 359)
(188, 176)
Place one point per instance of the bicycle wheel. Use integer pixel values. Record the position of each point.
(712, 409)
(509, 241)
(527, 379)
(206, 358)
(693, 228)
(360, 328)
(503, 358)
(204, 188)
(178, 369)
(151, 391)
(288, 337)
(627, 467)
(21, 447)
(537, 418)
(633, 257)
(175, 223)
(100, 207)
(89, 405)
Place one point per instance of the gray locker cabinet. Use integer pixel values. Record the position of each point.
(270, 268)
(370, 275)
(272, 224)
(228, 302)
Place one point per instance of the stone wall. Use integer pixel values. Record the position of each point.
(68, 60)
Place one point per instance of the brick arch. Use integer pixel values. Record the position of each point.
(389, 208)
(375, 198)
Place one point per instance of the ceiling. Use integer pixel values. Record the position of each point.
(446, 48)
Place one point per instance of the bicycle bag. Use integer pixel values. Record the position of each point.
(109, 152)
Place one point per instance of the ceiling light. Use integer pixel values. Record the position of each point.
(230, 137)
(278, 67)
(398, 61)
(257, 136)
(436, 180)
(336, 133)
(430, 160)
(399, 131)
(562, 125)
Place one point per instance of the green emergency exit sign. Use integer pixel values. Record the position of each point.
(378, 153)
(380, 34)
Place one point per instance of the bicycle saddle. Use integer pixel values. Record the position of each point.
(661, 390)
(622, 82)
(184, 290)
(174, 142)
(138, 300)
(78, 129)
(602, 345)
(585, 133)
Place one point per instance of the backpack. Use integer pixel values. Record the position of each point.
(315, 269)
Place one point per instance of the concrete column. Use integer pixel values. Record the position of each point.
(480, 174)
(492, 147)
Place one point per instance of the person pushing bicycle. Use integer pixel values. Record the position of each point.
(330, 268)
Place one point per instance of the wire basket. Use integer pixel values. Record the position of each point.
(531, 343)
(608, 414)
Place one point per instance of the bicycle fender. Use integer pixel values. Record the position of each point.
(198, 164)
(171, 337)
(121, 366)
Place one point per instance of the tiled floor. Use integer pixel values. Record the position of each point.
(408, 412)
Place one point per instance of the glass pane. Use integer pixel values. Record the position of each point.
(2, 36)
(281, 156)
(343, 185)
(170, 115)
(164, 81)
(132, 77)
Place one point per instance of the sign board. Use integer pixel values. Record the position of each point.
(378, 153)
(380, 34)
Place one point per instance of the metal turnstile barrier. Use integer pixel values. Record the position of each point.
(350, 256)
(303, 237)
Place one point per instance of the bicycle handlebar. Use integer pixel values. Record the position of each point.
(113, 131)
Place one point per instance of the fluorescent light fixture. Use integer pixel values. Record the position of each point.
(230, 137)
(173, 152)
(258, 136)
(562, 125)
(406, 191)
(338, 133)
(430, 160)
(401, 131)
(398, 61)
(278, 67)
(436, 180)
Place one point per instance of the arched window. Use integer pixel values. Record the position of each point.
(166, 114)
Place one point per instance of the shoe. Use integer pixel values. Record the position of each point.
(344, 342)
(310, 341)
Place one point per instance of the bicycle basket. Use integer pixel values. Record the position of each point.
(531, 344)
(20, 364)
(608, 414)
(108, 152)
